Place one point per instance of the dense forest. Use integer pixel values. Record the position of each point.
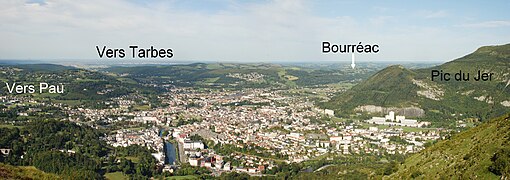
(71, 150)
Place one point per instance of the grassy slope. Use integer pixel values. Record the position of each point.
(464, 156)
(116, 176)
(188, 177)
(13, 172)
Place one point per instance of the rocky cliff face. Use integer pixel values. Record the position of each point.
(406, 111)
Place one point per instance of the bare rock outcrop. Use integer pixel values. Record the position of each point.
(406, 111)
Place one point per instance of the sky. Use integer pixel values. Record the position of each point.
(252, 31)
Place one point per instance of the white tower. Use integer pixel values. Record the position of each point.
(391, 116)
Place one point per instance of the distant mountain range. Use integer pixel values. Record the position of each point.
(222, 75)
(396, 87)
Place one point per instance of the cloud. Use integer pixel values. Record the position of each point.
(435, 14)
(487, 24)
(38, 2)
(244, 31)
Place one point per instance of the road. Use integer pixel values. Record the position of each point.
(321, 168)
(182, 156)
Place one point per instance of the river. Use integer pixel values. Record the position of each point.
(170, 153)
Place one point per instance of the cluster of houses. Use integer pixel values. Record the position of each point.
(252, 77)
(144, 137)
(196, 154)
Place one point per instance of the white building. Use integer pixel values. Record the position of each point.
(193, 145)
(194, 161)
(399, 118)
(226, 167)
(398, 121)
(390, 116)
(329, 112)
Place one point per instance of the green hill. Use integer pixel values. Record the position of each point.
(382, 89)
(398, 87)
(233, 75)
(482, 152)
(14, 172)
(81, 86)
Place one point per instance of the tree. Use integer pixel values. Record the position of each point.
(235, 175)
(391, 168)
(501, 163)
(127, 166)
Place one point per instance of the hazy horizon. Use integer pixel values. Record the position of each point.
(251, 31)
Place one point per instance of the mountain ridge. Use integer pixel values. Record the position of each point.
(396, 86)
